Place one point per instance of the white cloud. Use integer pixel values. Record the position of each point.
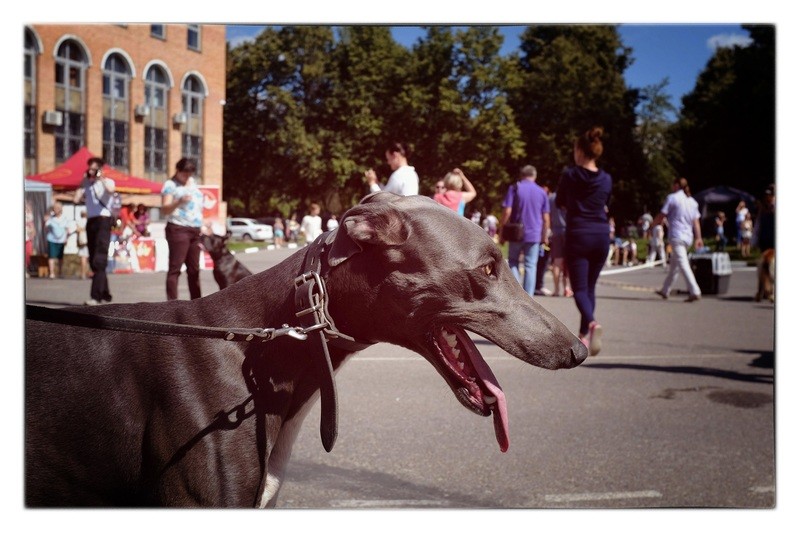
(728, 41)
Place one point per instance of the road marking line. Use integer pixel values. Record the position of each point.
(418, 359)
(643, 266)
(625, 270)
(762, 490)
(599, 496)
(388, 503)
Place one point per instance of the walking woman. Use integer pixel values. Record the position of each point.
(584, 192)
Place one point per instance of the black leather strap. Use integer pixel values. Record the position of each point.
(310, 302)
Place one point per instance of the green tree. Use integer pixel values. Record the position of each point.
(570, 79)
(310, 108)
(727, 124)
(655, 133)
(370, 69)
(277, 86)
(457, 112)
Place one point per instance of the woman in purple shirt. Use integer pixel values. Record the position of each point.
(585, 191)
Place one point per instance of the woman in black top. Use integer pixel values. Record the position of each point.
(585, 191)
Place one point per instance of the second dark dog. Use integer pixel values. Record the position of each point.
(766, 276)
(227, 269)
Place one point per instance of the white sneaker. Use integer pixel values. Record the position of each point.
(91, 302)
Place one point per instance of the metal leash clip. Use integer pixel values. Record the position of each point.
(292, 331)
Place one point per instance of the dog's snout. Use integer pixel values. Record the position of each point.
(579, 352)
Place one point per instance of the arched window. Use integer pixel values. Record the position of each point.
(193, 98)
(156, 95)
(71, 65)
(116, 111)
(31, 51)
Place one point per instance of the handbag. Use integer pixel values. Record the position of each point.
(514, 231)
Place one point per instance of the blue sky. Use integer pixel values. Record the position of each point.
(678, 52)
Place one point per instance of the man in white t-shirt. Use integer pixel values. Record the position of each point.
(683, 222)
(403, 181)
(311, 225)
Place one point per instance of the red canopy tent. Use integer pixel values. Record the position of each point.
(69, 174)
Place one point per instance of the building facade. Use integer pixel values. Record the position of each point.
(140, 95)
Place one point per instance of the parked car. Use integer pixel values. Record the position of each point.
(248, 229)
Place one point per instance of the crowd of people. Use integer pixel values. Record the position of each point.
(565, 229)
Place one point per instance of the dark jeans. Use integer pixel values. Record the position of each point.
(184, 249)
(585, 256)
(98, 233)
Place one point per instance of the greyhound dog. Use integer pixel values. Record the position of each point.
(227, 269)
(120, 419)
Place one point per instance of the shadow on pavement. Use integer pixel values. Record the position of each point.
(764, 359)
(694, 370)
(51, 304)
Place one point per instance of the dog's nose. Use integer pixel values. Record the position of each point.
(579, 353)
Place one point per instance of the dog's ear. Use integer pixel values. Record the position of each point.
(380, 196)
(367, 224)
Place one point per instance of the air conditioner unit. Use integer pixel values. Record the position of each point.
(179, 118)
(142, 110)
(53, 118)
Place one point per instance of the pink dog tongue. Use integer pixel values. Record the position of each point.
(499, 410)
(500, 414)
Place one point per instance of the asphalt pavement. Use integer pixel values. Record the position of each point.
(677, 411)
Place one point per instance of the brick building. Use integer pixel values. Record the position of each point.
(140, 95)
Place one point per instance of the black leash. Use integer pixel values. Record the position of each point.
(133, 325)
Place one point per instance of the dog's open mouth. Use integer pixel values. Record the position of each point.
(471, 378)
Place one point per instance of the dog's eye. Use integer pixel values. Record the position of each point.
(489, 270)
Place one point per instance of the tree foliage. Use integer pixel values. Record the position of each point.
(727, 125)
(310, 108)
(570, 79)
(278, 86)
(655, 133)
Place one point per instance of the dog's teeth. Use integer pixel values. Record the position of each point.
(461, 365)
(456, 352)
(450, 339)
(490, 400)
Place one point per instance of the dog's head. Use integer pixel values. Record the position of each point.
(215, 245)
(410, 272)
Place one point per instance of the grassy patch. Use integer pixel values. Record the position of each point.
(735, 255)
(641, 251)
